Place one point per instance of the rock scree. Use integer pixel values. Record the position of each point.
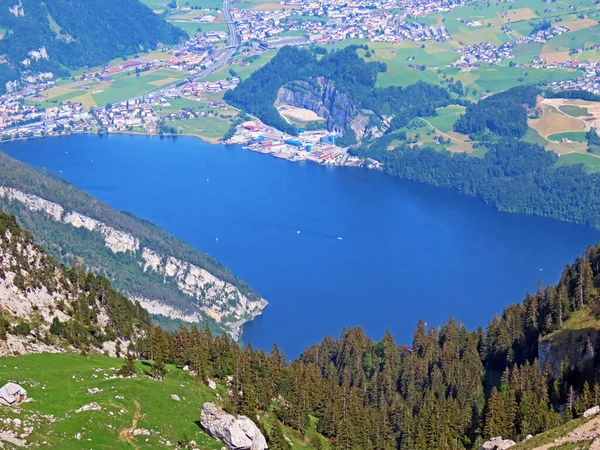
(237, 433)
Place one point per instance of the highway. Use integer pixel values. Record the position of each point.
(234, 41)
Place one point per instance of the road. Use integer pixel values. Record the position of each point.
(234, 41)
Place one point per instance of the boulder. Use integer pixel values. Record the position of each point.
(591, 412)
(212, 384)
(498, 443)
(12, 394)
(175, 397)
(237, 433)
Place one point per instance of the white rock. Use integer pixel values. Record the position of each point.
(212, 384)
(89, 407)
(175, 397)
(238, 434)
(498, 443)
(591, 412)
(78, 436)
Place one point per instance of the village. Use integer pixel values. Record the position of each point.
(26, 110)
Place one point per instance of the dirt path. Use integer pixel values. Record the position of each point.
(125, 434)
(587, 431)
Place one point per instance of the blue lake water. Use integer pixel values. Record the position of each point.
(407, 251)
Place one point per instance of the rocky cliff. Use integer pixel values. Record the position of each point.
(321, 96)
(201, 295)
(46, 308)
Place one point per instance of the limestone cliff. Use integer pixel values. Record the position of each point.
(40, 301)
(209, 297)
(337, 108)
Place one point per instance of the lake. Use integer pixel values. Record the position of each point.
(327, 247)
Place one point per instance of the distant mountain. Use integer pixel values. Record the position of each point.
(61, 35)
(168, 277)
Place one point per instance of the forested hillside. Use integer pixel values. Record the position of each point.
(142, 260)
(503, 114)
(61, 35)
(56, 305)
(513, 176)
(350, 74)
(452, 389)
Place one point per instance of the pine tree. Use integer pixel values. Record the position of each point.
(277, 440)
(128, 368)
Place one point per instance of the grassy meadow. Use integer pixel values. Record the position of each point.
(61, 384)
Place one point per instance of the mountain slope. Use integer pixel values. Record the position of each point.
(44, 306)
(167, 276)
(57, 35)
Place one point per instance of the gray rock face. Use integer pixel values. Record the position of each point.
(498, 443)
(321, 96)
(237, 433)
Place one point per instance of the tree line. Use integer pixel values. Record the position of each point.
(451, 390)
(513, 176)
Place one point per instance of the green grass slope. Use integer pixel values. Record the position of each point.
(59, 384)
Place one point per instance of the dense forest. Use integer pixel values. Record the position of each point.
(350, 74)
(513, 176)
(452, 389)
(77, 33)
(503, 114)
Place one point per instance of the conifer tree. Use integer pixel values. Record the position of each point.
(277, 440)
(128, 368)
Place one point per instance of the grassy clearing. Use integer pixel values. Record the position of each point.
(575, 111)
(208, 128)
(58, 385)
(574, 136)
(591, 163)
(65, 380)
(444, 121)
(128, 86)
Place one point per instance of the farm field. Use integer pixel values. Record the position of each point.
(92, 93)
(129, 86)
(591, 162)
(444, 121)
(575, 136)
(210, 129)
(574, 111)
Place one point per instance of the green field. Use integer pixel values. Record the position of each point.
(575, 136)
(446, 117)
(526, 51)
(58, 385)
(206, 127)
(128, 86)
(577, 39)
(591, 162)
(575, 111)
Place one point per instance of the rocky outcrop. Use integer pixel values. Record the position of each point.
(575, 346)
(498, 443)
(321, 96)
(215, 298)
(591, 412)
(237, 433)
(35, 290)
